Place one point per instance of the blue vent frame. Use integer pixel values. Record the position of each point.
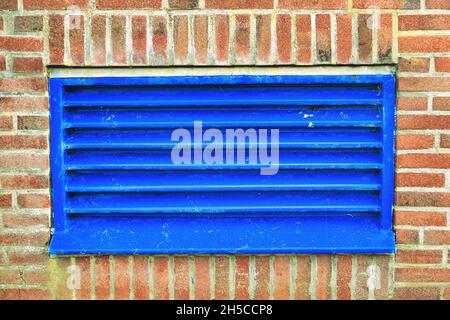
(300, 230)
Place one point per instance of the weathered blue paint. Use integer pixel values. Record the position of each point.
(115, 189)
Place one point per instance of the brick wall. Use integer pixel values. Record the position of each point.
(415, 34)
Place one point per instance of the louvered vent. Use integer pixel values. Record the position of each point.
(116, 189)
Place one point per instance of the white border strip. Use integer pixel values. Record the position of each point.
(210, 71)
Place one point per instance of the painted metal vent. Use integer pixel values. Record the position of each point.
(117, 190)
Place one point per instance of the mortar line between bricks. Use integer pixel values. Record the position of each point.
(271, 277)
(293, 276)
(232, 276)
(372, 265)
(192, 279)
(92, 275)
(353, 280)
(333, 278)
(74, 288)
(313, 282)
(212, 276)
(252, 277)
(112, 287)
(171, 278)
(151, 281)
(131, 272)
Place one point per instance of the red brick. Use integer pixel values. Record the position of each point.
(54, 5)
(418, 256)
(36, 277)
(56, 39)
(27, 257)
(423, 122)
(423, 43)
(102, 275)
(343, 40)
(183, 4)
(422, 274)
(2, 63)
(238, 4)
(385, 38)
(323, 289)
(33, 200)
(5, 200)
(423, 160)
(202, 285)
(21, 43)
(21, 85)
(437, 4)
(445, 141)
(414, 141)
(8, 5)
(423, 199)
(407, 236)
(28, 64)
(6, 123)
(32, 122)
(424, 84)
(365, 38)
(159, 39)
(181, 38)
(17, 104)
(323, 37)
(122, 283)
(430, 180)
(313, 5)
(222, 38)
(1, 24)
(35, 238)
(386, 4)
(76, 42)
(416, 293)
(442, 64)
(262, 277)
(98, 35)
(242, 277)
(412, 103)
(127, 5)
(119, 54)
(28, 23)
(242, 38)
(420, 218)
(303, 277)
(222, 276)
(263, 38)
(362, 290)
(441, 103)
(10, 276)
(282, 277)
(344, 277)
(18, 142)
(141, 277)
(24, 294)
(424, 22)
(284, 48)
(437, 237)
(201, 39)
(25, 220)
(161, 277)
(181, 277)
(304, 39)
(23, 161)
(414, 64)
(139, 39)
(84, 292)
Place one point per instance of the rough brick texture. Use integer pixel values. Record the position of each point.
(35, 34)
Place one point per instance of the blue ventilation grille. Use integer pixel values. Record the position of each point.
(116, 189)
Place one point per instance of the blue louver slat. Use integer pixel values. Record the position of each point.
(116, 189)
